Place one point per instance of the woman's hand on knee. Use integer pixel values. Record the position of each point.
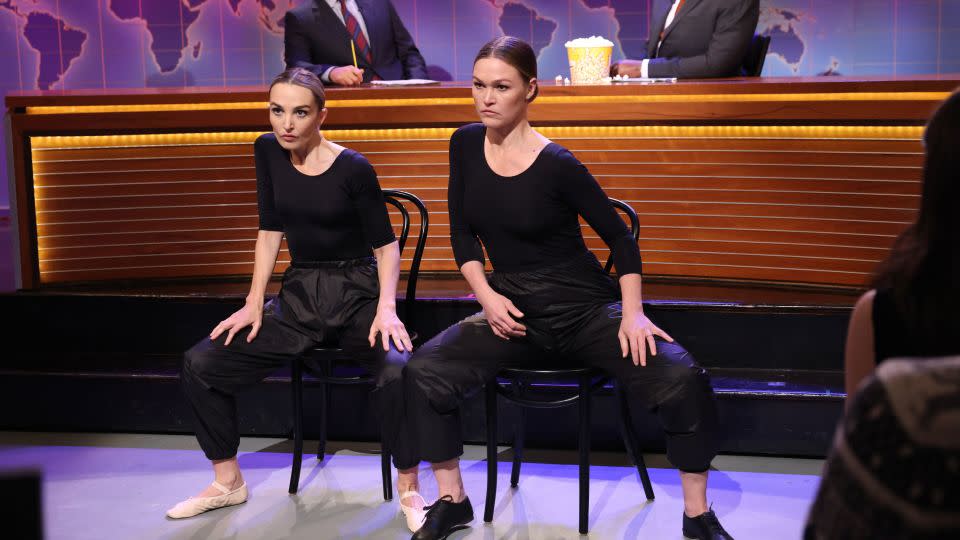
(636, 334)
(501, 315)
(389, 326)
(250, 314)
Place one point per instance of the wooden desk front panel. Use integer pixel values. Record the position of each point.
(812, 204)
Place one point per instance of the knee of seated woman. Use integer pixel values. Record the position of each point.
(672, 353)
(197, 360)
(426, 380)
(667, 381)
(690, 381)
(392, 369)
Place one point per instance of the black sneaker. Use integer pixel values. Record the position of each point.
(444, 517)
(706, 526)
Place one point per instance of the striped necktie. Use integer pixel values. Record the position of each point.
(675, 13)
(353, 28)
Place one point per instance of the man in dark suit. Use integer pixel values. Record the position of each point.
(317, 37)
(695, 39)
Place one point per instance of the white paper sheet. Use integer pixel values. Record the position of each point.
(404, 82)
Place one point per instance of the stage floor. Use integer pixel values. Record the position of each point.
(112, 486)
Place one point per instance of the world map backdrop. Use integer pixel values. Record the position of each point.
(76, 44)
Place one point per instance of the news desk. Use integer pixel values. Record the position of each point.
(802, 181)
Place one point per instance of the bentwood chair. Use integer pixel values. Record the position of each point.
(519, 386)
(323, 363)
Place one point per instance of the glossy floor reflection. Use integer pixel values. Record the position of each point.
(106, 486)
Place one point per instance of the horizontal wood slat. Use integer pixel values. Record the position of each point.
(157, 227)
(747, 144)
(141, 176)
(869, 186)
(101, 166)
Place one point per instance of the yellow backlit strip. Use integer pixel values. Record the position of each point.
(714, 98)
(734, 132)
(239, 137)
(158, 107)
(415, 102)
(152, 139)
(244, 105)
(596, 132)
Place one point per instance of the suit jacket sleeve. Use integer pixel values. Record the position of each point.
(728, 45)
(414, 66)
(296, 46)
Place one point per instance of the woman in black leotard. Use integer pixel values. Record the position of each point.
(520, 195)
(340, 287)
(911, 311)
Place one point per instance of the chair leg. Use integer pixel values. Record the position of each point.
(630, 440)
(386, 472)
(296, 383)
(324, 407)
(518, 439)
(584, 401)
(491, 395)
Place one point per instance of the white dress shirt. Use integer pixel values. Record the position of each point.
(354, 10)
(669, 21)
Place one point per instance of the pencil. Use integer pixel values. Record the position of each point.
(353, 50)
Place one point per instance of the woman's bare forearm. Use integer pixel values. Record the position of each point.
(265, 259)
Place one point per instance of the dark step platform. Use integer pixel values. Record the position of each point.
(106, 358)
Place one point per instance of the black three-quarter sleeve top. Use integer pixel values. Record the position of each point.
(529, 221)
(336, 215)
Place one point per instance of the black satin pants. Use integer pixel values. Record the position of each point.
(329, 303)
(572, 317)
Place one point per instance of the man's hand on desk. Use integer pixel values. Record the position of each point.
(630, 68)
(346, 76)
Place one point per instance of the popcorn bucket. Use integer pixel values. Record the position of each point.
(589, 64)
